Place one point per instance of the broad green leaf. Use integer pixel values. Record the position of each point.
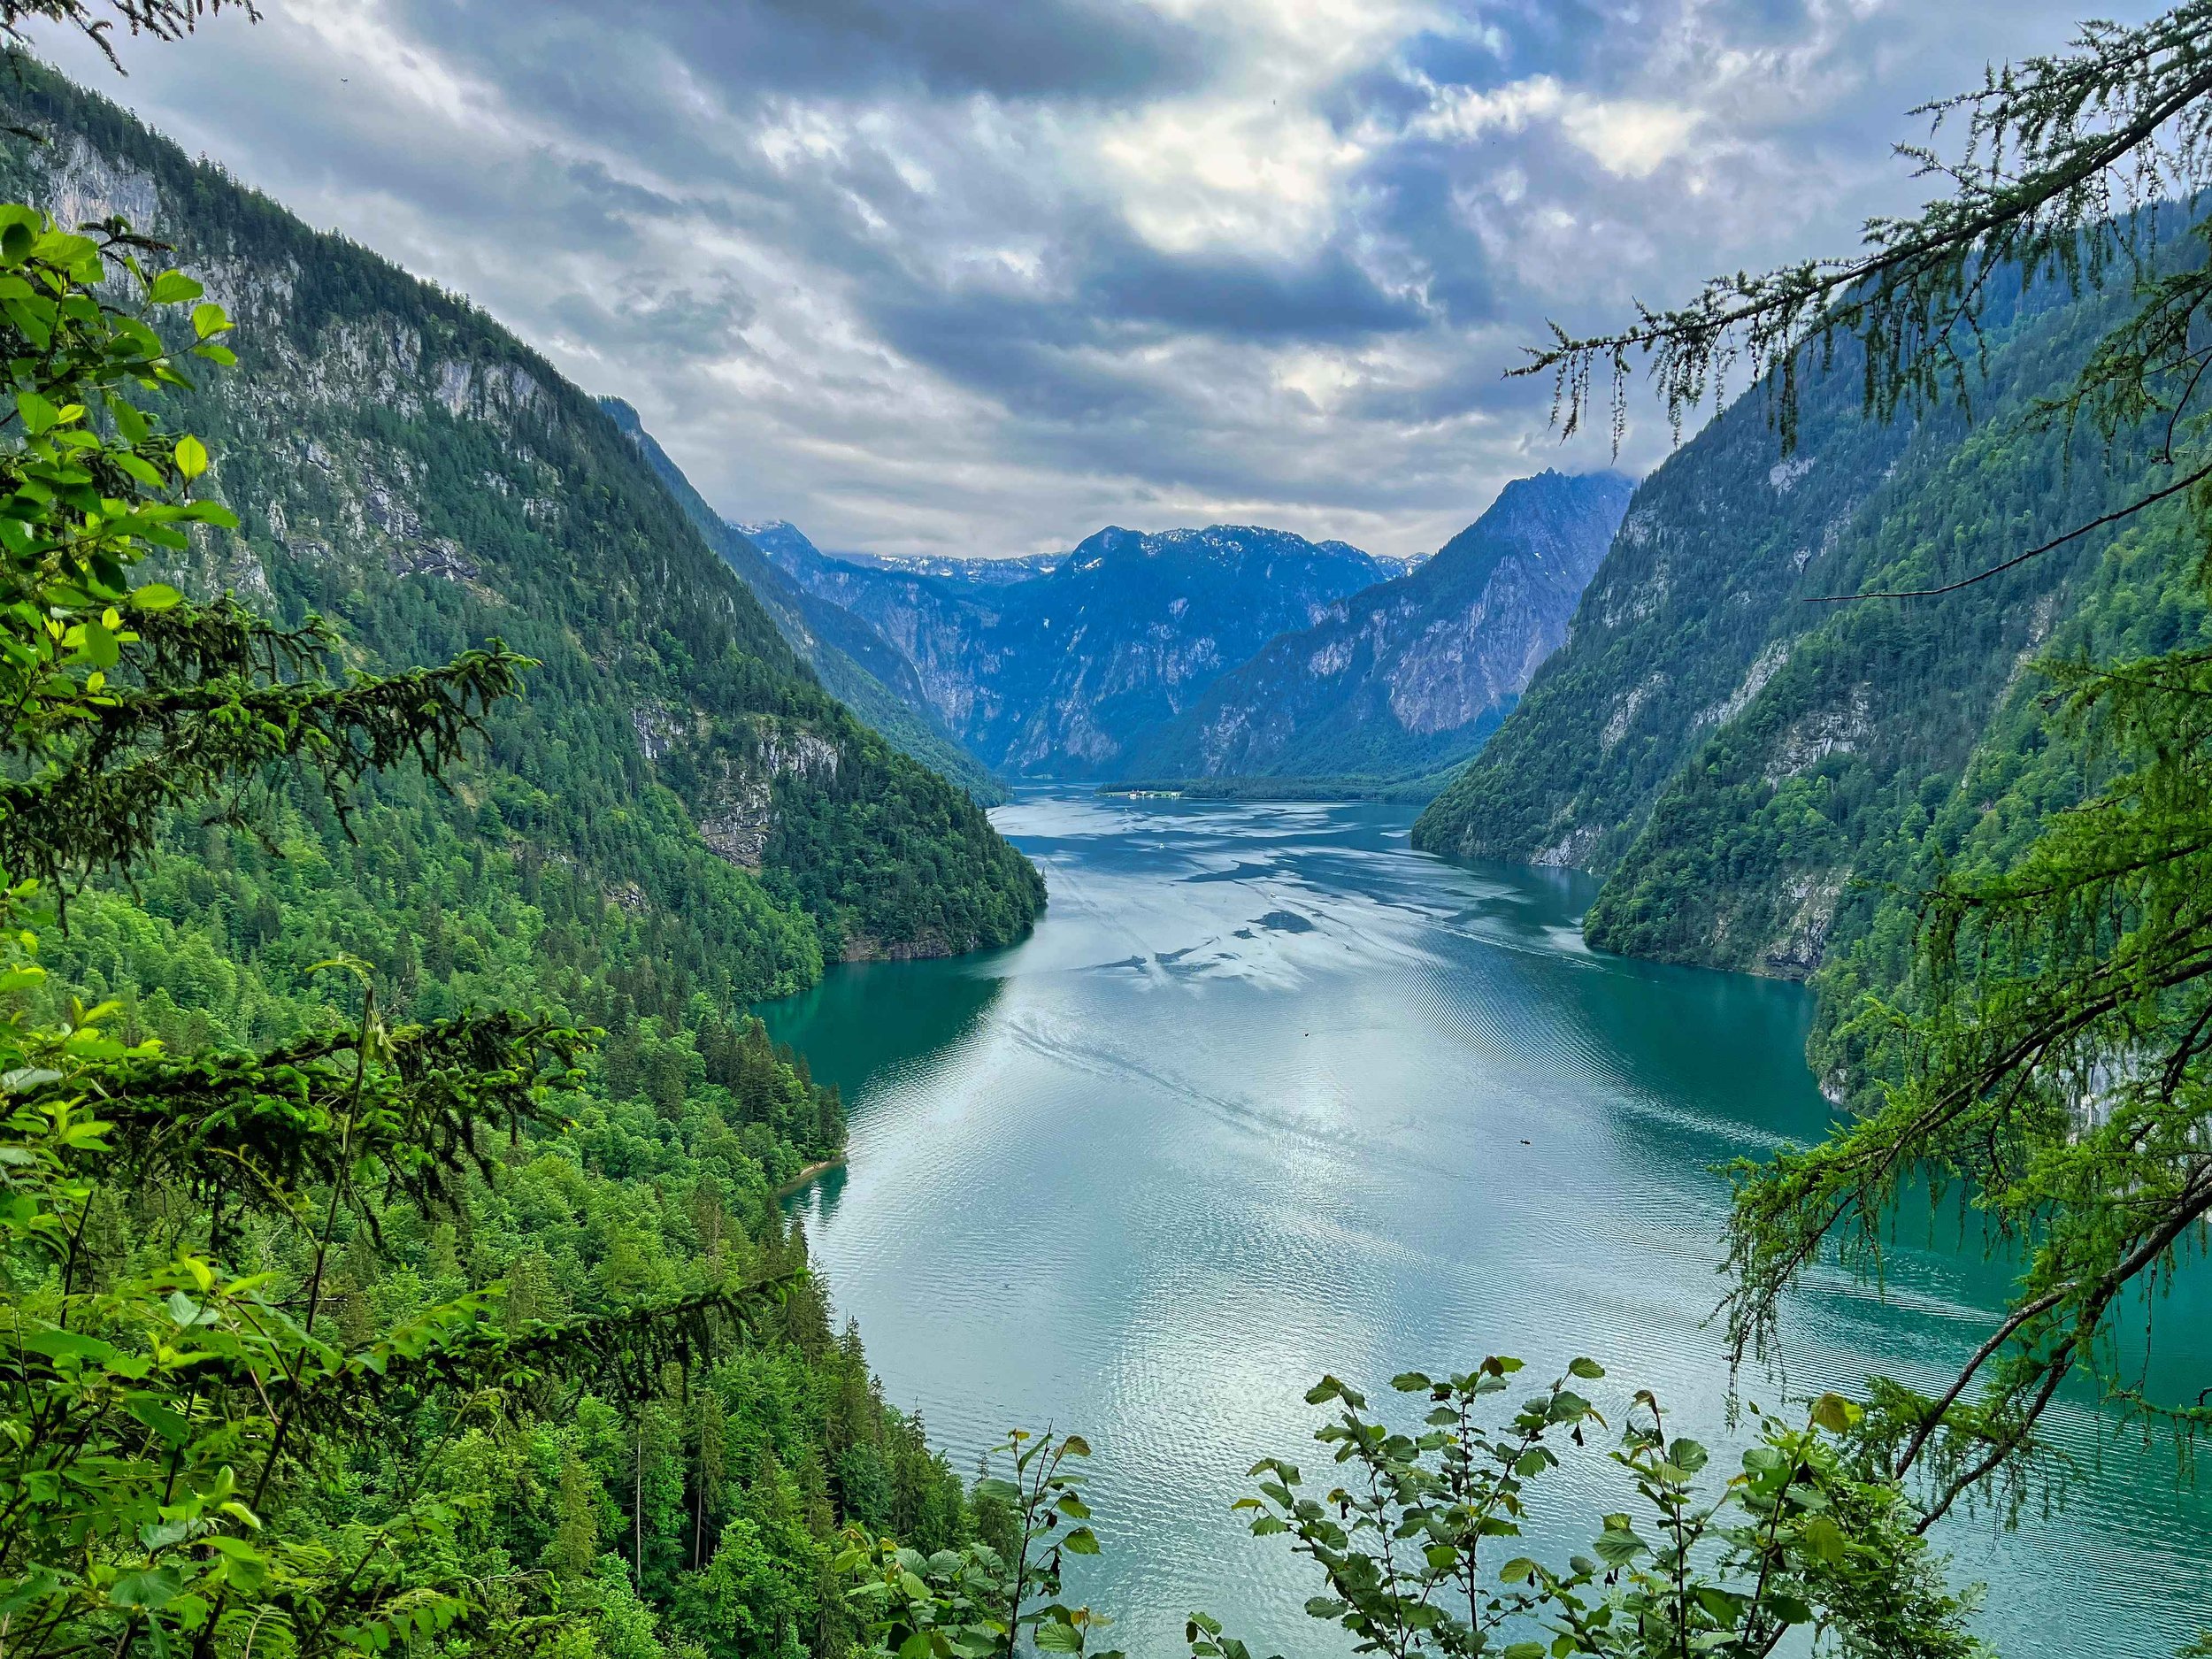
(143, 469)
(155, 1588)
(99, 648)
(128, 421)
(1723, 1605)
(173, 288)
(1789, 1609)
(158, 1416)
(1825, 1540)
(1834, 1413)
(1617, 1547)
(73, 1345)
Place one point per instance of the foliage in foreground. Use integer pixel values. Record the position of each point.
(1417, 1541)
(332, 1340)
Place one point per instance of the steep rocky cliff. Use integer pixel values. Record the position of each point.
(1413, 674)
(405, 466)
(1750, 766)
(1068, 672)
(854, 664)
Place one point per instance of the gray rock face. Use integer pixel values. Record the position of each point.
(1068, 670)
(738, 829)
(1412, 675)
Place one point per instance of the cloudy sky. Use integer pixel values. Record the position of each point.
(979, 276)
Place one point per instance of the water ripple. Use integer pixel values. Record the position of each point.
(1155, 1169)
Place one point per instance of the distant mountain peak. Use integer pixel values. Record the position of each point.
(1231, 542)
(1057, 666)
(1412, 673)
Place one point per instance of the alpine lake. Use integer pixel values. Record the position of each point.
(1269, 1095)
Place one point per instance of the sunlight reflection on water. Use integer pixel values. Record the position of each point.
(1152, 1172)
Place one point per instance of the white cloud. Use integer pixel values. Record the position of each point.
(1629, 137)
(1198, 174)
(960, 275)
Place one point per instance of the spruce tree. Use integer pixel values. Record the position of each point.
(2051, 1053)
(178, 1384)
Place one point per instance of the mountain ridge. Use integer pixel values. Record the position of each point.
(1144, 621)
(1751, 772)
(855, 663)
(404, 465)
(1410, 675)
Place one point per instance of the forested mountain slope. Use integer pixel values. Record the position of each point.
(1746, 765)
(673, 821)
(853, 663)
(405, 466)
(1068, 670)
(1413, 674)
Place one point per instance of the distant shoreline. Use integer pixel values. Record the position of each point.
(1416, 791)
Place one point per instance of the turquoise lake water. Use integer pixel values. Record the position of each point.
(1269, 1095)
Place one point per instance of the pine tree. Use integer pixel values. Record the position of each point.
(711, 1452)
(95, 19)
(575, 1545)
(170, 1393)
(2049, 1053)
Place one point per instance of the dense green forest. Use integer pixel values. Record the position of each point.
(2142, 597)
(675, 821)
(1748, 768)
